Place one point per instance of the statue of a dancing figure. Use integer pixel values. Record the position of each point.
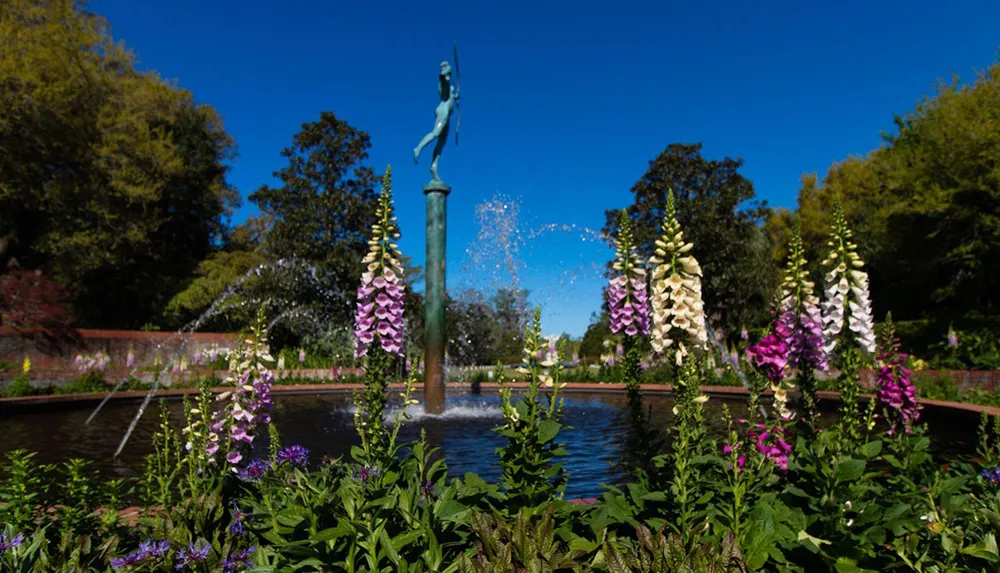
(449, 100)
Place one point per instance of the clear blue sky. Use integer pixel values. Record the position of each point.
(564, 103)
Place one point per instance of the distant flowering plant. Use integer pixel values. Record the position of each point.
(896, 394)
(678, 309)
(611, 355)
(96, 362)
(848, 301)
(379, 316)
(952, 338)
(627, 296)
(248, 405)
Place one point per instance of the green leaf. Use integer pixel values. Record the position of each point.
(871, 449)
(547, 430)
(849, 469)
(330, 533)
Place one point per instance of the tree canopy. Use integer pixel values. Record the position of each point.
(324, 209)
(925, 206)
(112, 181)
(716, 208)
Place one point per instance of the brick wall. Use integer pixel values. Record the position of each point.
(987, 380)
(55, 351)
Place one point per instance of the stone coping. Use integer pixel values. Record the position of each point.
(595, 387)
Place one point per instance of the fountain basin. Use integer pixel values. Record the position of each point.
(320, 417)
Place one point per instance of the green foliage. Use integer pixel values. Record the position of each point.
(530, 477)
(324, 207)
(923, 206)
(660, 552)
(112, 181)
(530, 545)
(19, 386)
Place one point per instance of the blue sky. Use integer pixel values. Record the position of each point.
(563, 103)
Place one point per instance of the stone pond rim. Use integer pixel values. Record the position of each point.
(572, 387)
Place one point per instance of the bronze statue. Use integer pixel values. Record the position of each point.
(442, 114)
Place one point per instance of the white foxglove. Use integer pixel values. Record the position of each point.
(678, 310)
(848, 302)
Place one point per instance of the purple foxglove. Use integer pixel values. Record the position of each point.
(379, 316)
(627, 298)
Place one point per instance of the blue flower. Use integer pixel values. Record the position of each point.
(6, 543)
(238, 517)
(237, 561)
(192, 555)
(254, 471)
(295, 455)
(992, 476)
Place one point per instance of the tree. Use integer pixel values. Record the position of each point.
(325, 206)
(111, 180)
(924, 207)
(222, 270)
(592, 345)
(510, 317)
(29, 300)
(716, 208)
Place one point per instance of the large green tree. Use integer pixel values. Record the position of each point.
(717, 210)
(324, 209)
(112, 181)
(924, 207)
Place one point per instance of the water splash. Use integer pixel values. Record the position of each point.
(224, 303)
(458, 411)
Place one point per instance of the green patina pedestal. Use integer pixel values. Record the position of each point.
(435, 339)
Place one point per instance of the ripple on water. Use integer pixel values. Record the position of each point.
(596, 438)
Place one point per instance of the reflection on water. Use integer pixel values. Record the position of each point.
(324, 424)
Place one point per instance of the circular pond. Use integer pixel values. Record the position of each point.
(323, 422)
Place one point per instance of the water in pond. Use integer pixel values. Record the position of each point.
(324, 424)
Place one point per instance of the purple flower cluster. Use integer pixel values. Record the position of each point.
(803, 332)
(254, 471)
(6, 544)
(741, 460)
(239, 516)
(95, 363)
(379, 313)
(771, 354)
(250, 405)
(629, 306)
(992, 476)
(896, 392)
(192, 555)
(237, 561)
(365, 473)
(426, 491)
(772, 443)
(147, 549)
(295, 455)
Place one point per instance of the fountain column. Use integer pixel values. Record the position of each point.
(435, 339)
